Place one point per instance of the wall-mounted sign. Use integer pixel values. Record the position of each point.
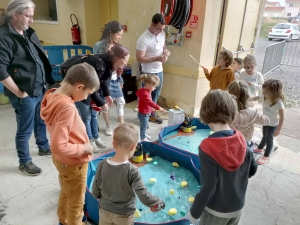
(194, 21)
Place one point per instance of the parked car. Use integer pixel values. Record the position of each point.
(285, 31)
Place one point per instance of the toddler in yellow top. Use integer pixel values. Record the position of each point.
(222, 74)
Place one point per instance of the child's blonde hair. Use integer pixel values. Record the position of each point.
(227, 56)
(240, 90)
(274, 89)
(151, 79)
(125, 136)
(250, 58)
(83, 73)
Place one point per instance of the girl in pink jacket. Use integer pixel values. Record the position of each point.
(246, 117)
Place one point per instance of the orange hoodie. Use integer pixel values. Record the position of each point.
(220, 79)
(67, 131)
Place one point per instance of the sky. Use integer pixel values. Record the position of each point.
(282, 2)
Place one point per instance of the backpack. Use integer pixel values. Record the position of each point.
(93, 60)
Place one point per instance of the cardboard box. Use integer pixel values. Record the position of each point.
(175, 117)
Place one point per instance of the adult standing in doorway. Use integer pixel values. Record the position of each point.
(111, 35)
(24, 72)
(151, 52)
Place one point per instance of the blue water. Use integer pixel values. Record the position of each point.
(187, 143)
(162, 187)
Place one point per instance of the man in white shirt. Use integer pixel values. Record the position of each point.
(151, 52)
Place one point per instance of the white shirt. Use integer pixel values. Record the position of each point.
(114, 75)
(272, 111)
(256, 80)
(153, 45)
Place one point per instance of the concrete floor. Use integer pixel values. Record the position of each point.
(273, 193)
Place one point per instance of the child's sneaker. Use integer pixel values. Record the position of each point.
(257, 150)
(95, 147)
(263, 160)
(100, 143)
(145, 139)
(147, 136)
(108, 130)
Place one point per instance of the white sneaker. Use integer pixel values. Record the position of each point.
(147, 136)
(145, 139)
(108, 130)
(136, 109)
(100, 143)
(95, 147)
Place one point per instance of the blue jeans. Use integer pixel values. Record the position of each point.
(267, 139)
(28, 118)
(144, 120)
(89, 118)
(156, 92)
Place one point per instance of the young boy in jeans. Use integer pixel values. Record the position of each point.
(70, 144)
(226, 162)
(117, 181)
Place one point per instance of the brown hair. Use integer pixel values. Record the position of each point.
(240, 90)
(125, 135)
(218, 107)
(116, 52)
(83, 73)
(227, 56)
(239, 61)
(274, 89)
(151, 79)
(249, 58)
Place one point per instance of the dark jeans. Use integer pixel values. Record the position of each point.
(28, 118)
(144, 120)
(267, 139)
(89, 118)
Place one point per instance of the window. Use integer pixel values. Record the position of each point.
(291, 5)
(46, 11)
(289, 14)
(281, 26)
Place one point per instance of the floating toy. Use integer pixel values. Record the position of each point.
(172, 212)
(175, 164)
(155, 163)
(191, 199)
(187, 125)
(138, 154)
(137, 214)
(182, 213)
(149, 159)
(152, 180)
(172, 192)
(172, 177)
(184, 184)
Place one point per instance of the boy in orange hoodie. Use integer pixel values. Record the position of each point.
(221, 75)
(70, 144)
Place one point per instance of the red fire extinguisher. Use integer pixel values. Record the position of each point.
(75, 30)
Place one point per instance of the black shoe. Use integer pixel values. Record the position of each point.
(47, 152)
(155, 118)
(30, 169)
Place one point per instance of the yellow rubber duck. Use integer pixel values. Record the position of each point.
(172, 212)
(172, 192)
(184, 184)
(191, 199)
(149, 159)
(175, 164)
(152, 180)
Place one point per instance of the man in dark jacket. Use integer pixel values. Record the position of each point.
(25, 72)
(227, 164)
